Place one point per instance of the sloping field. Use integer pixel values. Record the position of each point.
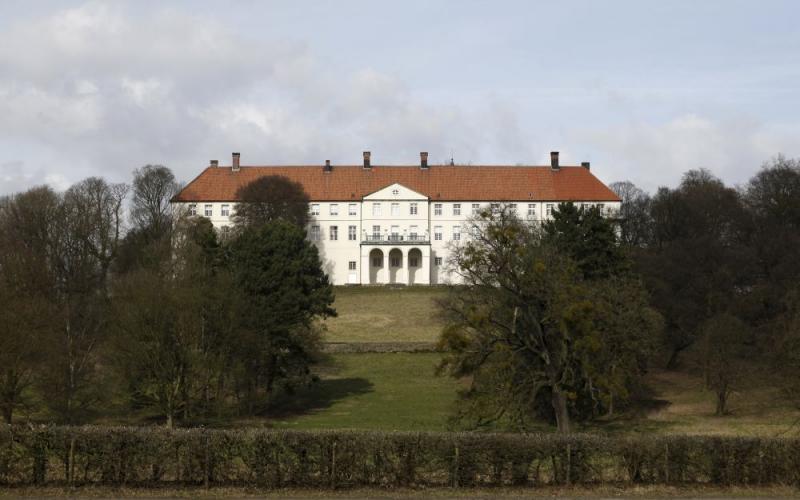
(380, 314)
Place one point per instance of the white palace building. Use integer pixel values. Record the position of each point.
(382, 224)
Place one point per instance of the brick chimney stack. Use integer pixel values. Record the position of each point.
(554, 160)
(586, 165)
(327, 168)
(235, 164)
(423, 160)
(367, 163)
(214, 163)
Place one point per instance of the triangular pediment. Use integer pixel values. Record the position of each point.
(395, 191)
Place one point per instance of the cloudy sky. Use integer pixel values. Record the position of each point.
(643, 89)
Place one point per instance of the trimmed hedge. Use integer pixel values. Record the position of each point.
(340, 459)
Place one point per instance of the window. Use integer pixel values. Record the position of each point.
(334, 209)
(437, 261)
(351, 265)
(208, 211)
(395, 233)
(334, 232)
(456, 233)
(225, 211)
(351, 209)
(395, 209)
(456, 208)
(376, 232)
(193, 209)
(437, 233)
(351, 233)
(377, 262)
(395, 192)
(314, 233)
(532, 210)
(395, 261)
(494, 206)
(549, 209)
(601, 207)
(376, 209)
(437, 209)
(412, 233)
(476, 208)
(412, 209)
(315, 209)
(512, 208)
(413, 262)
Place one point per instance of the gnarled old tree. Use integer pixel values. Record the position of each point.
(527, 326)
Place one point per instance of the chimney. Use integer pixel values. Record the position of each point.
(586, 165)
(554, 160)
(235, 164)
(214, 163)
(423, 160)
(366, 159)
(327, 168)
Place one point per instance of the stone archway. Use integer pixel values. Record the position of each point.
(395, 264)
(414, 264)
(376, 271)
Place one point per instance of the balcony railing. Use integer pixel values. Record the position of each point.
(395, 239)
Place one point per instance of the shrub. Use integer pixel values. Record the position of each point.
(342, 459)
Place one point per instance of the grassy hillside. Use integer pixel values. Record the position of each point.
(389, 391)
(378, 314)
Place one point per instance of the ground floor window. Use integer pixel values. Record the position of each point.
(437, 261)
(395, 261)
(377, 261)
(351, 265)
(413, 262)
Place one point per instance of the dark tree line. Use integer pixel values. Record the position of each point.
(153, 310)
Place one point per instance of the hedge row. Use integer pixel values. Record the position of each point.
(339, 459)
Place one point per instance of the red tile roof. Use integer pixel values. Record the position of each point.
(439, 182)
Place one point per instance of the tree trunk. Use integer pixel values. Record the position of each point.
(722, 402)
(560, 408)
(8, 411)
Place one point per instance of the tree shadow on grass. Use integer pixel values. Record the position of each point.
(320, 395)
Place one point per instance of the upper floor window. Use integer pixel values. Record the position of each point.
(376, 209)
(314, 233)
(531, 210)
(456, 208)
(494, 206)
(225, 210)
(351, 209)
(456, 233)
(395, 209)
(334, 233)
(395, 192)
(476, 208)
(333, 209)
(437, 233)
(549, 209)
(437, 209)
(376, 232)
(412, 232)
(193, 209)
(412, 208)
(209, 211)
(351, 233)
(437, 261)
(601, 207)
(315, 209)
(512, 208)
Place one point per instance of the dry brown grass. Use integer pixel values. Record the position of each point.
(380, 314)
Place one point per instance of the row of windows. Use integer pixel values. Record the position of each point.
(413, 209)
(315, 232)
(208, 210)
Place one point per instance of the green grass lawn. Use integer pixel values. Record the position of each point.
(380, 314)
(386, 391)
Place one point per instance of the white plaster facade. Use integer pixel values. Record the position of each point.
(391, 236)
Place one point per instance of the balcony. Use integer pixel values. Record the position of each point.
(395, 239)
